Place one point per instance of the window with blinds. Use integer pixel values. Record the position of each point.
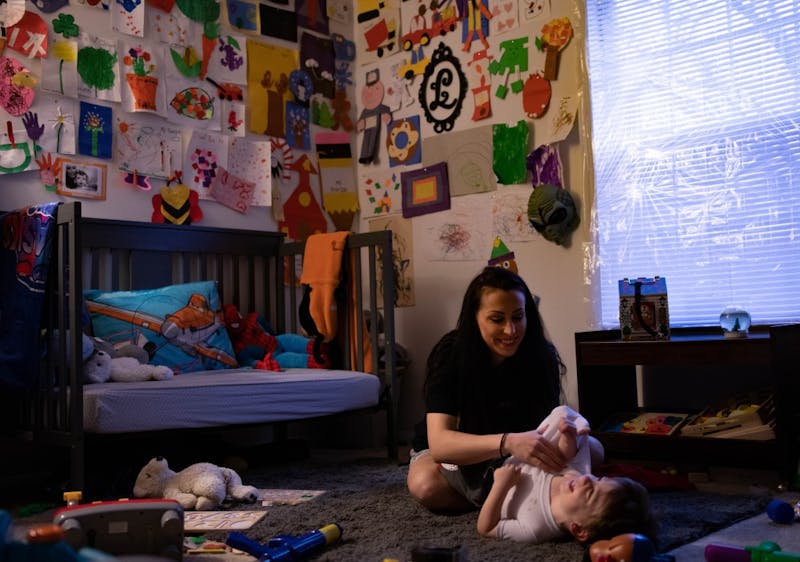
(696, 141)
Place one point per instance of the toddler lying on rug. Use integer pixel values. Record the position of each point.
(527, 504)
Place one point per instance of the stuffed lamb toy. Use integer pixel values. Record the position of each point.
(103, 363)
(202, 486)
(101, 367)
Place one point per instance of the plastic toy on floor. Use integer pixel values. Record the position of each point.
(44, 544)
(767, 551)
(628, 547)
(783, 512)
(47, 542)
(256, 347)
(152, 527)
(287, 548)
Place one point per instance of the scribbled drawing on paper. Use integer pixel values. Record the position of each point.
(148, 150)
(250, 159)
(559, 123)
(469, 159)
(402, 257)
(452, 239)
(232, 191)
(462, 234)
(510, 214)
(398, 88)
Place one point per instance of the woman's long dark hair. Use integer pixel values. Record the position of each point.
(536, 358)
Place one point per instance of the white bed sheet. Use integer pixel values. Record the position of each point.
(225, 397)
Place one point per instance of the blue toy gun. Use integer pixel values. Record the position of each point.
(767, 551)
(286, 548)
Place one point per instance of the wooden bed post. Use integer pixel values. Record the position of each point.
(71, 286)
(387, 263)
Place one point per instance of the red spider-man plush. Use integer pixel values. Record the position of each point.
(255, 347)
(246, 331)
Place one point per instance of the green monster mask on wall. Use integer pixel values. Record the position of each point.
(552, 212)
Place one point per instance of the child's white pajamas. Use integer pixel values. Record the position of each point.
(526, 515)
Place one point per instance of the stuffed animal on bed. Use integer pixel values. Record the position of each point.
(256, 347)
(202, 486)
(102, 363)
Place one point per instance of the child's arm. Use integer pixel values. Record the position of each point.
(567, 438)
(504, 479)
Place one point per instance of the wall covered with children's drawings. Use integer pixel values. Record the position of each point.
(473, 148)
(461, 125)
(183, 111)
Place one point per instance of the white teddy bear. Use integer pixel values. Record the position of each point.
(202, 486)
(101, 367)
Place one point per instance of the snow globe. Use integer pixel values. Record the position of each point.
(735, 321)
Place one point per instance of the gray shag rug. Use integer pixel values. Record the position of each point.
(368, 499)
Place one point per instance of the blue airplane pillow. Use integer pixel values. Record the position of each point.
(180, 326)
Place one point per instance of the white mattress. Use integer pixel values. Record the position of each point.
(224, 397)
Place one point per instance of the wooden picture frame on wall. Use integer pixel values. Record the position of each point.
(425, 190)
(82, 179)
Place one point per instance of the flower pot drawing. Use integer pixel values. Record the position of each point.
(143, 89)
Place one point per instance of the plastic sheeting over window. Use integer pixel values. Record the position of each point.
(696, 142)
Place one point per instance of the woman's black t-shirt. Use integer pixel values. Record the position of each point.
(504, 394)
(509, 397)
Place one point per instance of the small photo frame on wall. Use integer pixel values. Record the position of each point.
(82, 179)
(426, 190)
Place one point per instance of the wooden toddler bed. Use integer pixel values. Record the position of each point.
(250, 271)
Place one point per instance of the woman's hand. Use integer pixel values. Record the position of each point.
(532, 448)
